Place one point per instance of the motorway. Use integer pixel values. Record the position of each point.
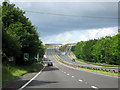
(62, 76)
(66, 57)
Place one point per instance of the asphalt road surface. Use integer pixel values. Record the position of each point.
(66, 57)
(62, 76)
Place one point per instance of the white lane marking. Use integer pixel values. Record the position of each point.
(73, 76)
(94, 87)
(80, 80)
(85, 70)
(31, 80)
(64, 72)
(68, 74)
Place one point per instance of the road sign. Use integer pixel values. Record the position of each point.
(26, 56)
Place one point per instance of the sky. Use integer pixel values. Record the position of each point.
(71, 22)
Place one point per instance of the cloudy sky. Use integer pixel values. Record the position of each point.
(70, 22)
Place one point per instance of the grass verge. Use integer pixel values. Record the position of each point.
(97, 64)
(10, 72)
(100, 71)
(90, 69)
(58, 58)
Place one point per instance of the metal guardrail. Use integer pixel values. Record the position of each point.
(90, 67)
(95, 68)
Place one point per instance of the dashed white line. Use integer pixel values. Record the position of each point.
(64, 72)
(94, 87)
(80, 80)
(73, 76)
(68, 74)
(84, 70)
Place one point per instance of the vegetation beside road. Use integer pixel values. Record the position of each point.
(11, 71)
(19, 36)
(100, 71)
(22, 49)
(88, 69)
(47, 46)
(97, 64)
(58, 58)
(63, 48)
(104, 50)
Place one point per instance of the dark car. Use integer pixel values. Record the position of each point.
(49, 63)
(73, 60)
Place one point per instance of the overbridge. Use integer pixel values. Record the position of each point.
(54, 44)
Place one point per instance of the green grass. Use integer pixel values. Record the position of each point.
(97, 64)
(10, 72)
(56, 56)
(100, 71)
(47, 46)
(63, 47)
(90, 69)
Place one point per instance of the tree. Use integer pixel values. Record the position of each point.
(104, 50)
(19, 35)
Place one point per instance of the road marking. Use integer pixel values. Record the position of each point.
(68, 74)
(94, 87)
(31, 79)
(73, 76)
(64, 72)
(80, 80)
(83, 70)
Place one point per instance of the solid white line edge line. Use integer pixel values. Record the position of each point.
(31, 79)
(85, 70)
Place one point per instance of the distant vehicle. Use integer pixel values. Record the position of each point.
(73, 60)
(50, 63)
(47, 62)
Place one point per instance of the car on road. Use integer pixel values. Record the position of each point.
(73, 60)
(49, 63)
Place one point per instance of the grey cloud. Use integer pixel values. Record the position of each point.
(54, 24)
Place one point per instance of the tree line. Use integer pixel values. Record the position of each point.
(104, 50)
(19, 36)
(63, 47)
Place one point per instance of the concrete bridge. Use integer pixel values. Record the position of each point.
(59, 44)
(54, 44)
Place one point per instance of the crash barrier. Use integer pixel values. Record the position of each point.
(116, 70)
